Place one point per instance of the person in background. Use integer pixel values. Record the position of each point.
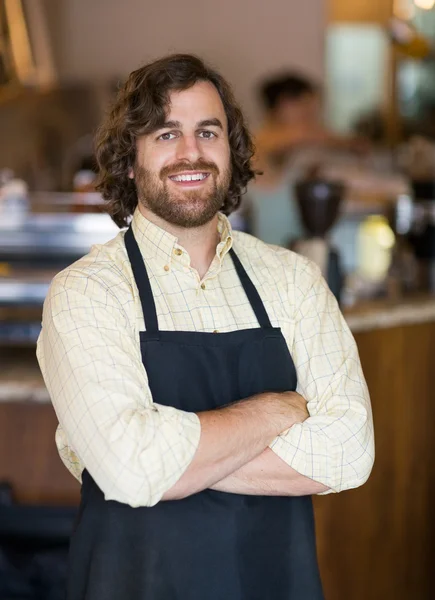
(291, 143)
(206, 384)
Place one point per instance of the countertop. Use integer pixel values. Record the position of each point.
(384, 314)
(20, 377)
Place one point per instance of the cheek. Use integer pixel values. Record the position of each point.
(228, 159)
(154, 158)
(285, 115)
(222, 157)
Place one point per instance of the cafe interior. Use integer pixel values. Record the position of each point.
(358, 198)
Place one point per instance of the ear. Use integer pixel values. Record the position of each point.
(130, 173)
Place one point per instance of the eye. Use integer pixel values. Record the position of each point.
(208, 135)
(165, 137)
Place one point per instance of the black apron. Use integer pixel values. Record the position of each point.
(211, 545)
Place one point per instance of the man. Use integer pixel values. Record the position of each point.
(172, 355)
(291, 144)
(293, 105)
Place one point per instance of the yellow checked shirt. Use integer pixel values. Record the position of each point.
(90, 358)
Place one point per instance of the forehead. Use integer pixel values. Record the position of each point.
(197, 103)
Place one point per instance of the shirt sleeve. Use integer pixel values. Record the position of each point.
(335, 445)
(90, 359)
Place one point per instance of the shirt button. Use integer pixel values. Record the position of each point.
(215, 331)
(178, 252)
(166, 267)
(203, 286)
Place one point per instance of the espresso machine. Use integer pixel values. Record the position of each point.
(414, 224)
(319, 203)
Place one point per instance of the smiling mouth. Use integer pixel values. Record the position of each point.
(189, 177)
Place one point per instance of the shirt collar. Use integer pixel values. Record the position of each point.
(157, 244)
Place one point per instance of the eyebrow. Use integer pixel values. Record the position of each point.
(169, 125)
(210, 123)
(178, 125)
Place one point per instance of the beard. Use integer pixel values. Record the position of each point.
(182, 208)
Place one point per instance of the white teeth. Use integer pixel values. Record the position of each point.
(194, 177)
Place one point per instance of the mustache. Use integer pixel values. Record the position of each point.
(182, 167)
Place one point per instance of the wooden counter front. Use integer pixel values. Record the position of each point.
(378, 542)
(29, 458)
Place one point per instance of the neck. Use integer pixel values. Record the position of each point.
(199, 242)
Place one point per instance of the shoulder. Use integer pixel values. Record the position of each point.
(103, 275)
(276, 265)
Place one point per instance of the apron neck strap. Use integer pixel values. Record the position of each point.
(251, 292)
(142, 282)
(147, 298)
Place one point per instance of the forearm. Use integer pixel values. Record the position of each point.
(270, 143)
(268, 475)
(230, 438)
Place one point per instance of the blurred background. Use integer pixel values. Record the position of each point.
(340, 96)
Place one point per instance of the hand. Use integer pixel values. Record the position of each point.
(288, 407)
(296, 404)
(357, 144)
(278, 410)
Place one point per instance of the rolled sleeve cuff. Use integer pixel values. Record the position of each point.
(321, 465)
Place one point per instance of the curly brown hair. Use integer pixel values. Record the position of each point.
(140, 108)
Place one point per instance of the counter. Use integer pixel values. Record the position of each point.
(383, 314)
(378, 542)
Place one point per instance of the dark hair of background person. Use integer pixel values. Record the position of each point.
(290, 86)
(140, 108)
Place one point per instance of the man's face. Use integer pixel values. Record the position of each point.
(304, 110)
(182, 170)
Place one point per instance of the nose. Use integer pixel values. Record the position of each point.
(188, 148)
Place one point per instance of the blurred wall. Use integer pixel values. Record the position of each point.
(245, 39)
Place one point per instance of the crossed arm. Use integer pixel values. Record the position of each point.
(269, 475)
(111, 426)
(233, 454)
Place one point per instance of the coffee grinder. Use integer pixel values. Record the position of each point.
(319, 203)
